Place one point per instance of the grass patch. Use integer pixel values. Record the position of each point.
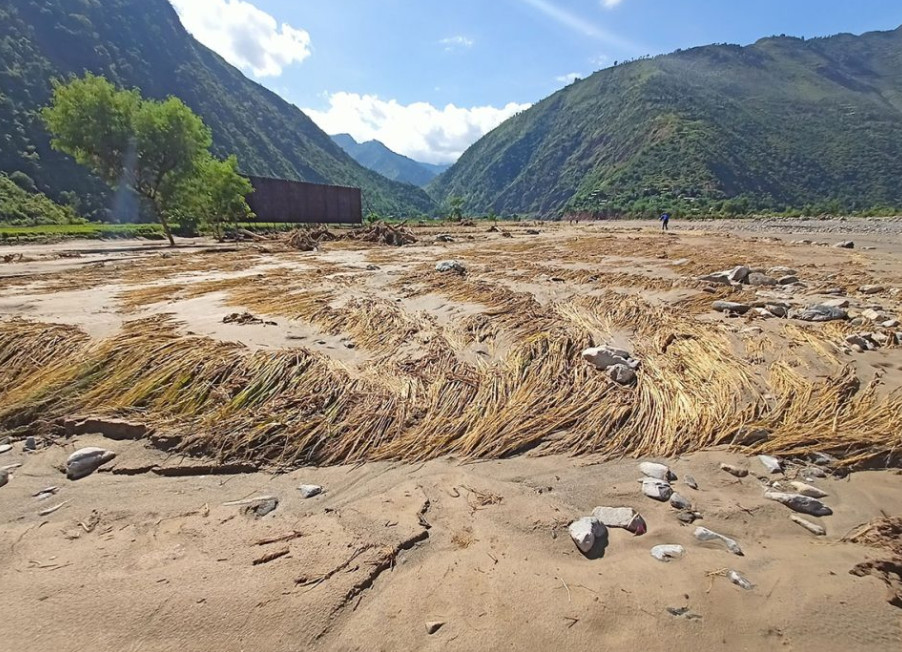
(91, 231)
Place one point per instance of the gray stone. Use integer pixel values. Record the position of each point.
(667, 552)
(4, 477)
(450, 266)
(310, 490)
(30, 444)
(890, 323)
(772, 464)
(800, 503)
(740, 580)
(690, 482)
(788, 280)
(756, 278)
(730, 306)
(433, 626)
(621, 374)
(678, 502)
(721, 278)
(814, 528)
(5, 448)
(443, 237)
(777, 310)
(781, 270)
(657, 471)
(734, 470)
(846, 244)
(85, 461)
(740, 274)
(625, 518)
(871, 289)
(818, 313)
(704, 534)
(606, 356)
(836, 303)
(807, 490)
(586, 531)
(657, 489)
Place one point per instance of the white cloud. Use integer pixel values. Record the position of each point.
(609, 4)
(454, 43)
(569, 78)
(600, 61)
(419, 130)
(244, 35)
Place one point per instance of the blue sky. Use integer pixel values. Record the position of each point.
(429, 77)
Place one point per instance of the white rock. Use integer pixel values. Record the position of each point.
(5, 448)
(739, 580)
(800, 503)
(626, 518)
(814, 528)
(85, 461)
(586, 531)
(667, 552)
(807, 490)
(872, 315)
(704, 534)
(657, 489)
(656, 471)
(450, 266)
(605, 356)
(890, 323)
(310, 490)
(836, 303)
(772, 464)
(621, 374)
(871, 289)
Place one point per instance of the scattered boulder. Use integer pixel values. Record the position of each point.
(739, 580)
(261, 507)
(690, 482)
(814, 528)
(777, 310)
(772, 464)
(720, 278)
(846, 244)
(657, 471)
(443, 237)
(625, 518)
(781, 270)
(586, 531)
(31, 444)
(667, 552)
(788, 280)
(871, 289)
(621, 374)
(734, 470)
(819, 312)
(807, 490)
(731, 307)
(433, 626)
(800, 503)
(890, 323)
(688, 517)
(451, 266)
(740, 274)
(757, 278)
(680, 503)
(872, 315)
(657, 489)
(5, 448)
(85, 461)
(310, 490)
(704, 534)
(4, 477)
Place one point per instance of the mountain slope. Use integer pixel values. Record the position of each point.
(374, 155)
(141, 43)
(781, 123)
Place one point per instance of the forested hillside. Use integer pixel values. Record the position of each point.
(784, 123)
(142, 44)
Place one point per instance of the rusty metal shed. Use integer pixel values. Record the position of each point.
(278, 200)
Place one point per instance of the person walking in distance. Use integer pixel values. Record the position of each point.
(665, 220)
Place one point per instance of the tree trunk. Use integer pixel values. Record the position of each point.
(166, 229)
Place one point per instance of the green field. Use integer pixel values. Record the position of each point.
(13, 234)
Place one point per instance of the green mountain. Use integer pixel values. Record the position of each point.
(376, 156)
(785, 122)
(141, 43)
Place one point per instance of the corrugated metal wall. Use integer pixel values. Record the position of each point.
(277, 200)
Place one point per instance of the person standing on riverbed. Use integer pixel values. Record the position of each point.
(665, 220)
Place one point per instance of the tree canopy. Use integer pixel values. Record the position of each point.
(157, 148)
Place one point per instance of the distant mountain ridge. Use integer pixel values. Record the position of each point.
(783, 123)
(141, 43)
(376, 156)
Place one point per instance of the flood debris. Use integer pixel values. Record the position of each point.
(85, 461)
(704, 534)
(800, 503)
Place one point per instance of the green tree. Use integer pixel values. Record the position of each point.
(215, 195)
(150, 146)
(456, 206)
